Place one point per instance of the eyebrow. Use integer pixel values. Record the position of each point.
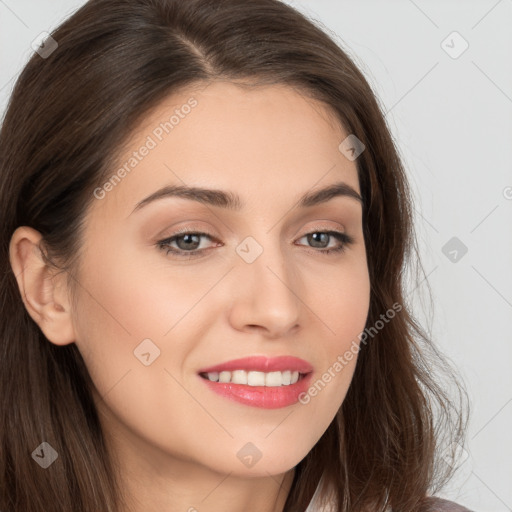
(231, 201)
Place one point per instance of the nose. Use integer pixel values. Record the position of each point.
(266, 295)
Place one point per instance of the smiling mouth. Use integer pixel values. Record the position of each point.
(255, 378)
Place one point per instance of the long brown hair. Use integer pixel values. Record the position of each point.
(68, 115)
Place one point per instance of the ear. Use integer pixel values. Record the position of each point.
(43, 288)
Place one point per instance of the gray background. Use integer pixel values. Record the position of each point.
(451, 115)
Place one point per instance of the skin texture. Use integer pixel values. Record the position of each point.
(175, 441)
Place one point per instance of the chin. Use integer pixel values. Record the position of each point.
(262, 469)
(251, 462)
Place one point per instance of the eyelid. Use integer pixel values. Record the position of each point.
(198, 229)
(344, 238)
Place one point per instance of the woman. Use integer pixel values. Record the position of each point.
(205, 225)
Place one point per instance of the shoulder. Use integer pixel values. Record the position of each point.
(440, 505)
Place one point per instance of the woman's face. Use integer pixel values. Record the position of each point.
(151, 318)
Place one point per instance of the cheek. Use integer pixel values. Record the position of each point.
(119, 307)
(130, 307)
(342, 307)
(124, 304)
(340, 297)
(127, 300)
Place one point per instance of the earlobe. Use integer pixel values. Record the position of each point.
(43, 288)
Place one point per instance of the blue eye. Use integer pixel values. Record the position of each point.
(342, 238)
(187, 242)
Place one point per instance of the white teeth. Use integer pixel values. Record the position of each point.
(224, 376)
(274, 379)
(252, 378)
(239, 377)
(256, 378)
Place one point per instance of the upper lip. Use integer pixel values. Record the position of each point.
(262, 364)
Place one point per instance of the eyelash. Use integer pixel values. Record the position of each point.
(345, 240)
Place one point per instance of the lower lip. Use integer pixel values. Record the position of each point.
(265, 397)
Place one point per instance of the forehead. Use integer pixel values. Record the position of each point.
(267, 143)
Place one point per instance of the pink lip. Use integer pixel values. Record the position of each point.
(262, 396)
(262, 364)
